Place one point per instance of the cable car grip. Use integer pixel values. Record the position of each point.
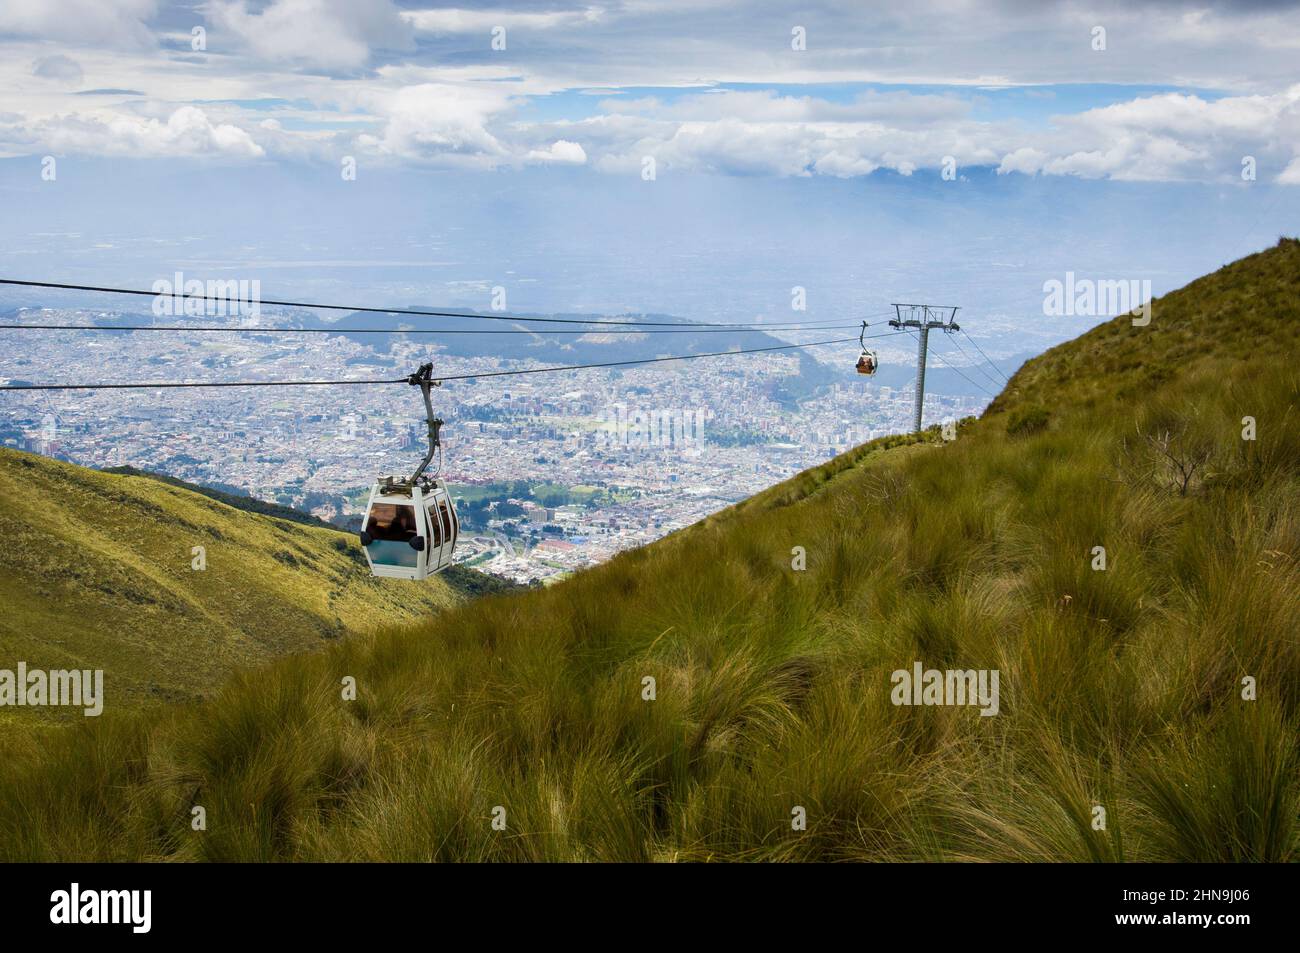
(423, 379)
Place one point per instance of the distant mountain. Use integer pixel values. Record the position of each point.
(555, 345)
(551, 343)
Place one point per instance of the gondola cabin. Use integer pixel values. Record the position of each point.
(409, 531)
(867, 362)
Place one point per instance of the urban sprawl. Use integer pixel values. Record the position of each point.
(551, 473)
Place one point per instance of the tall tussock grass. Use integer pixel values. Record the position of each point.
(725, 694)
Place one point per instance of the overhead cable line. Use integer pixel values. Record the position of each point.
(975, 344)
(403, 380)
(683, 329)
(958, 371)
(364, 309)
(975, 365)
(648, 360)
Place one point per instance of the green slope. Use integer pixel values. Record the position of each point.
(240, 502)
(1121, 690)
(96, 572)
(461, 579)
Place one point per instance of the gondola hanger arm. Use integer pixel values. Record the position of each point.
(423, 379)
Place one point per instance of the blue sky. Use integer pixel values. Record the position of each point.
(1034, 106)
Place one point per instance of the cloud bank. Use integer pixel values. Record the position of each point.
(703, 86)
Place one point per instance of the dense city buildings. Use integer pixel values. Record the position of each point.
(552, 473)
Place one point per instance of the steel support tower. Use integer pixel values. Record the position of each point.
(923, 317)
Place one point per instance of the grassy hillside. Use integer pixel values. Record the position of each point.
(461, 579)
(239, 501)
(96, 572)
(1121, 689)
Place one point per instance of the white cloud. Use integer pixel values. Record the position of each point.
(463, 20)
(186, 132)
(560, 151)
(617, 142)
(103, 23)
(1165, 137)
(59, 68)
(1026, 160)
(450, 100)
(845, 166)
(1168, 137)
(326, 34)
(899, 108)
(442, 123)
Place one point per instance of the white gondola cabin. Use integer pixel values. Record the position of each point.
(409, 532)
(410, 527)
(868, 363)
